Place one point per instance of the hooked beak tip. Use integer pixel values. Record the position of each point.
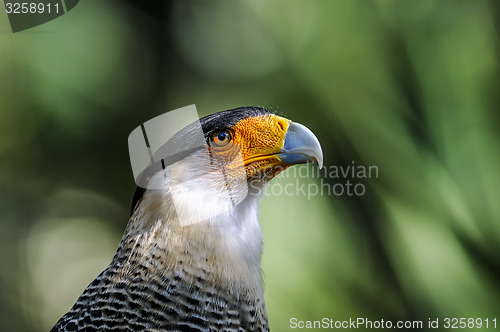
(301, 146)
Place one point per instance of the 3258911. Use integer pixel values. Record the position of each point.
(31, 8)
(471, 323)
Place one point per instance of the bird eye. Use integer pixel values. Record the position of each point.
(220, 138)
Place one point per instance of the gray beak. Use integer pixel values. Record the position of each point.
(301, 146)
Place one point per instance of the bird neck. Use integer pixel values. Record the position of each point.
(226, 248)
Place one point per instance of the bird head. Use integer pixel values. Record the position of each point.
(242, 150)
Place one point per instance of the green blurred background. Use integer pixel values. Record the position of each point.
(409, 86)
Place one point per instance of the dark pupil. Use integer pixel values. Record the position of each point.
(221, 136)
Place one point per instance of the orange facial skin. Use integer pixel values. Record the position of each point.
(254, 144)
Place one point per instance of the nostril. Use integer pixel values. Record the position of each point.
(282, 125)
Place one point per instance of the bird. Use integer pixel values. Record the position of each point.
(190, 256)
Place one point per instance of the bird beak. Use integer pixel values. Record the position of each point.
(300, 146)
